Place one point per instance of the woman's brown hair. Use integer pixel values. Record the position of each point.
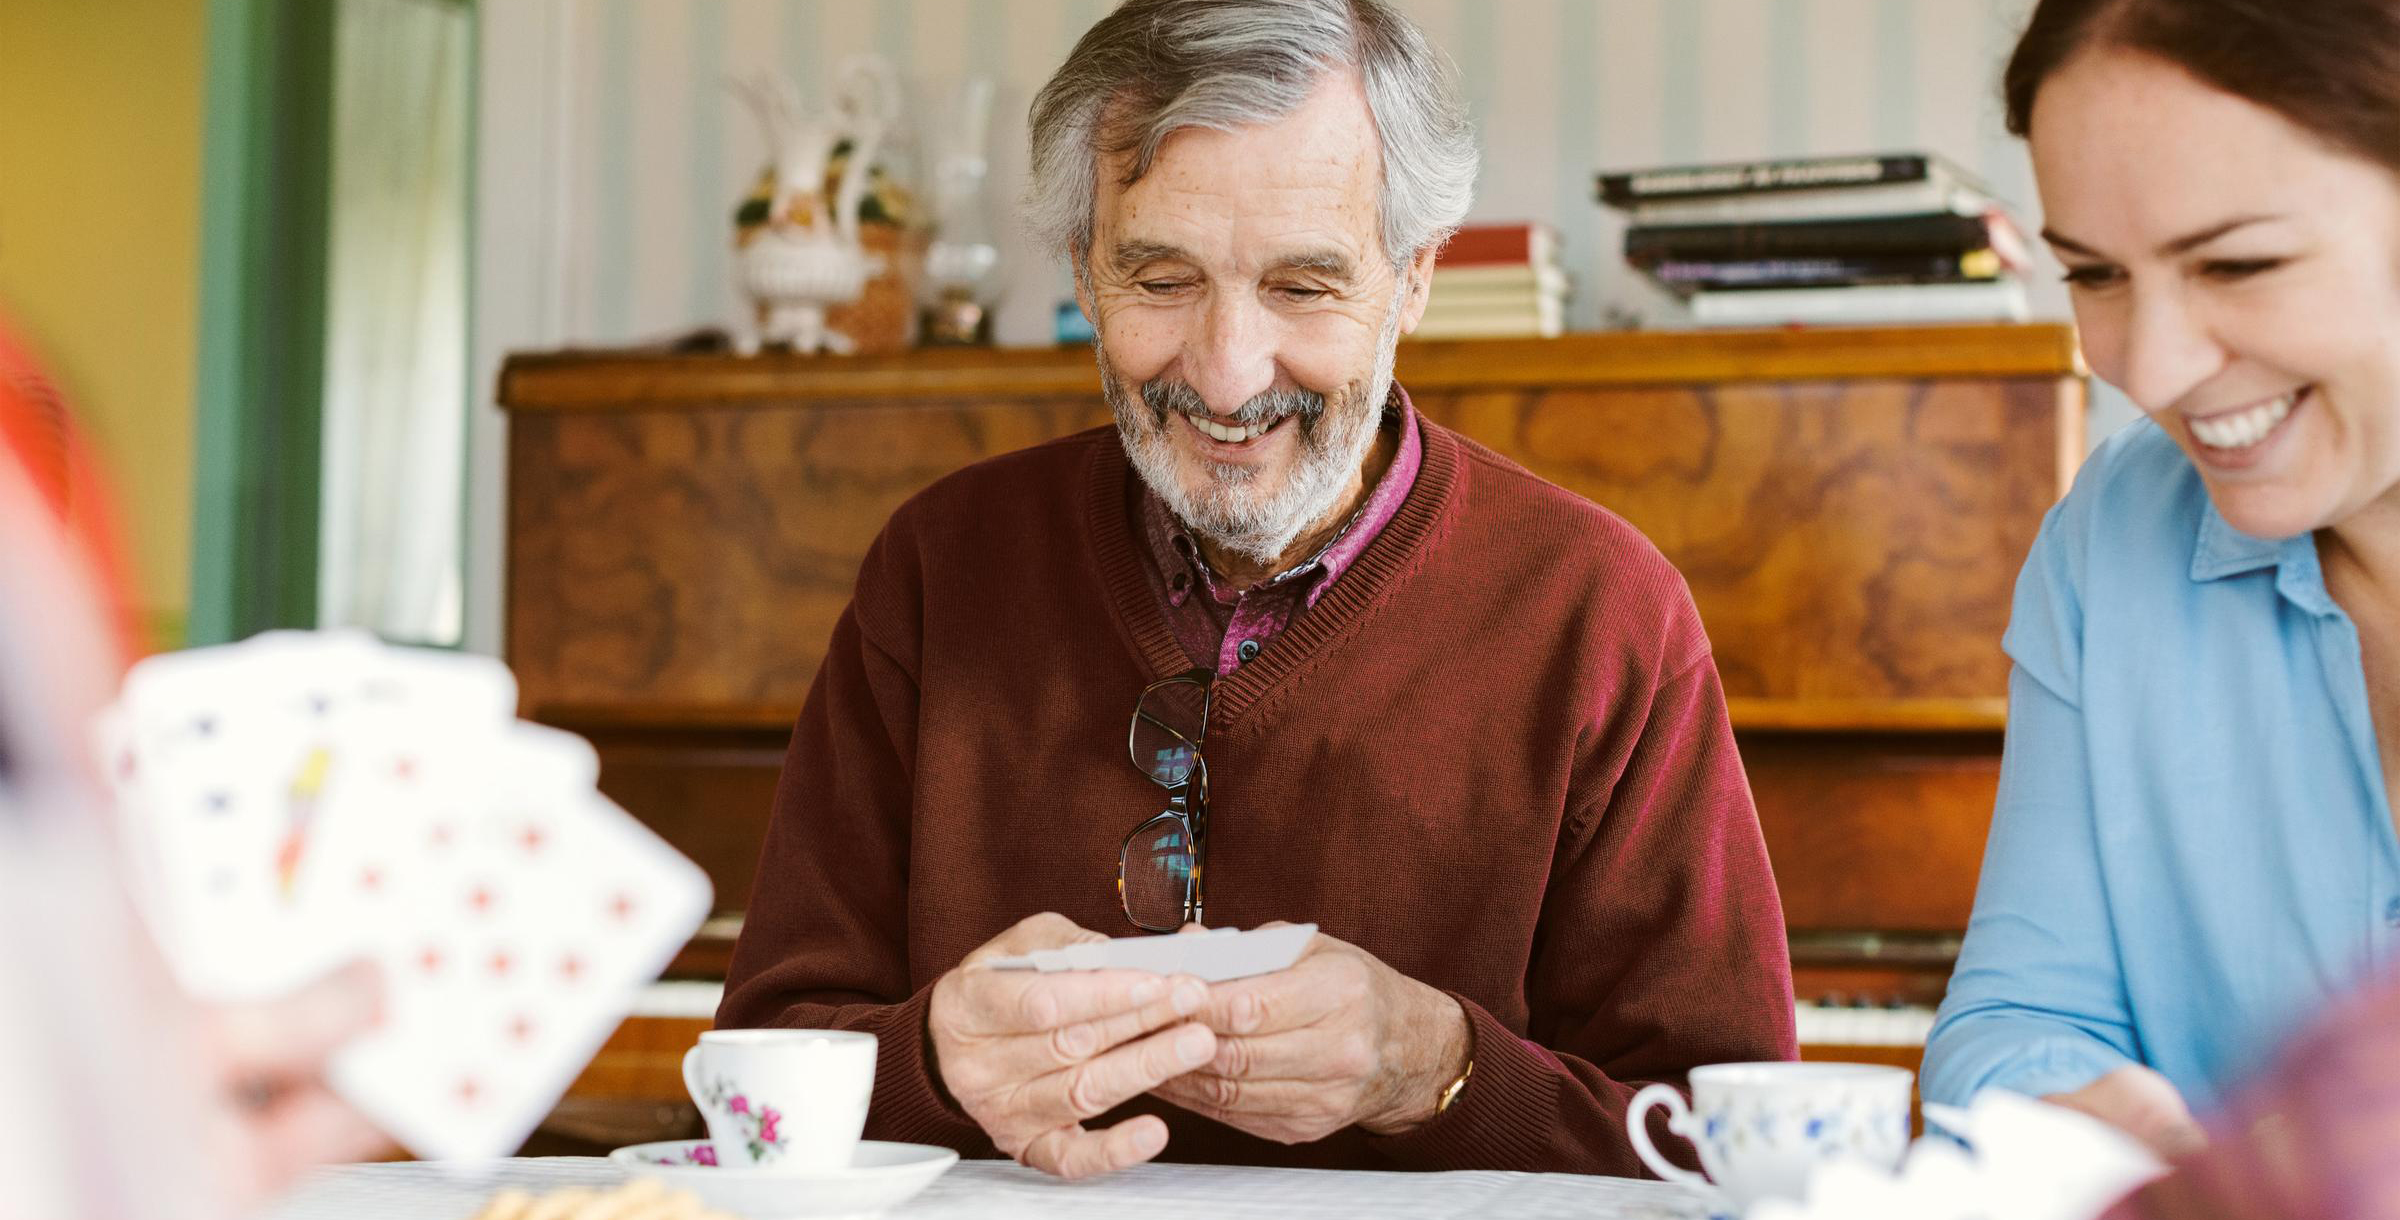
(2331, 67)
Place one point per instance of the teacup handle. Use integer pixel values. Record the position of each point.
(691, 1074)
(1679, 1121)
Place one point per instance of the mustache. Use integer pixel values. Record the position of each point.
(1163, 397)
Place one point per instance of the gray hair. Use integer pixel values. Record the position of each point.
(1155, 67)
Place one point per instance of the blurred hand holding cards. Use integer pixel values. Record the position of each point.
(301, 800)
(1219, 955)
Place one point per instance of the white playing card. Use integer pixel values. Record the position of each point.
(521, 912)
(236, 760)
(119, 763)
(303, 799)
(462, 690)
(1218, 955)
(252, 756)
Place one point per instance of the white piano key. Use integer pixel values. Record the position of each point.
(1837, 1025)
(678, 999)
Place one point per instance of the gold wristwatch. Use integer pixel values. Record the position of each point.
(1456, 1087)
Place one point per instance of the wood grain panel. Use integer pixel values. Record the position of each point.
(1909, 1057)
(1976, 715)
(643, 1059)
(1880, 832)
(696, 558)
(708, 793)
(630, 1093)
(1844, 540)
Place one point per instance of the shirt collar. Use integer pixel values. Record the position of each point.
(1383, 500)
(2222, 551)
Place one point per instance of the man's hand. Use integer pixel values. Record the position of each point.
(1030, 1056)
(2141, 1103)
(1337, 1040)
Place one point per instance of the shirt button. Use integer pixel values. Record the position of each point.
(2391, 913)
(1249, 652)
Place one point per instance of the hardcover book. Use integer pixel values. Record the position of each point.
(1929, 233)
(1683, 275)
(1490, 244)
(1979, 301)
(1681, 182)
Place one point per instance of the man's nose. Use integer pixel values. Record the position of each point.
(1231, 358)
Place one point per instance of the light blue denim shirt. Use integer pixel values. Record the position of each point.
(2192, 848)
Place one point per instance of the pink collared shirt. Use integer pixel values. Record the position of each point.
(1223, 629)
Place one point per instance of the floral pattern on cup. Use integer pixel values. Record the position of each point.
(759, 1122)
(1831, 1124)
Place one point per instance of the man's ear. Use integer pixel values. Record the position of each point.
(1079, 261)
(1420, 287)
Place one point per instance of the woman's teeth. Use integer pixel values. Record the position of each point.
(2244, 428)
(1231, 436)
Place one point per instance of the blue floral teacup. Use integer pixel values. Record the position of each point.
(1762, 1128)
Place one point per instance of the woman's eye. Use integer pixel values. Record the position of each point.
(2238, 268)
(2098, 275)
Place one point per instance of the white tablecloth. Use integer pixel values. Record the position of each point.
(1001, 1190)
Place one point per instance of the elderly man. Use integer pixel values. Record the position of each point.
(1462, 720)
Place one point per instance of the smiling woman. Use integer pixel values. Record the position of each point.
(2248, 299)
(2194, 841)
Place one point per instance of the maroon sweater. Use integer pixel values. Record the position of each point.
(1494, 755)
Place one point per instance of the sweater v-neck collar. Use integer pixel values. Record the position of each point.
(1116, 552)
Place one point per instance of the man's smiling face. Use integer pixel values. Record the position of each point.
(1248, 314)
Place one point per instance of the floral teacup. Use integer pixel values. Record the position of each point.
(782, 1098)
(1762, 1128)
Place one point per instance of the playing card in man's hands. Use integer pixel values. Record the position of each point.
(303, 799)
(1218, 955)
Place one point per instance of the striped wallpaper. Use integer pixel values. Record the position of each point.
(658, 151)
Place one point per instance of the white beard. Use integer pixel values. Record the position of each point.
(1228, 510)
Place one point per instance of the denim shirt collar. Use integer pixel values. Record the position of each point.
(2223, 551)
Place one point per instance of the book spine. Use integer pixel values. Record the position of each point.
(1689, 276)
(1929, 234)
(1521, 278)
(1488, 245)
(1758, 177)
(1850, 203)
(1992, 301)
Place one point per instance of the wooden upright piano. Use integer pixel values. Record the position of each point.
(1850, 507)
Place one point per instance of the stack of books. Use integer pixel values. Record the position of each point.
(1832, 240)
(1497, 280)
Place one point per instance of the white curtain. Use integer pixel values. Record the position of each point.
(396, 321)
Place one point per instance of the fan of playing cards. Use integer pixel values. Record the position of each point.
(301, 800)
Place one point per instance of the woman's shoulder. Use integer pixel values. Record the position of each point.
(2114, 555)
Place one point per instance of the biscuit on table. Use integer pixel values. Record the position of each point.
(641, 1199)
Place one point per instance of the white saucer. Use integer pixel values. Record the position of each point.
(880, 1177)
